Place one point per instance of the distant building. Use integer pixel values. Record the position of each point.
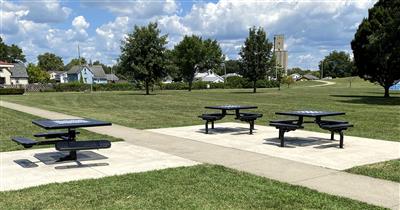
(396, 85)
(112, 78)
(13, 74)
(309, 77)
(208, 76)
(231, 75)
(59, 76)
(295, 76)
(87, 74)
(280, 53)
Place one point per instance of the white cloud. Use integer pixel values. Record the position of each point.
(80, 23)
(49, 11)
(142, 9)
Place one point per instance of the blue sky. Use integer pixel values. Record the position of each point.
(312, 28)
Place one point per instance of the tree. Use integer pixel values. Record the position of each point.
(11, 54)
(336, 64)
(256, 56)
(288, 80)
(143, 55)
(213, 57)
(376, 45)
(50, 62)
(75, 62)
(36, 74)
(231, 66)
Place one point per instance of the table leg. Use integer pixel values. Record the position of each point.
(300, 122)
(72, 154)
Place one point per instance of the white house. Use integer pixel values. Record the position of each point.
(295, 76)
(13, 74)
(231, 75)
(89, 74)
(208, 76)
(59, 76)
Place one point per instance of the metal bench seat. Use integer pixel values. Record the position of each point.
(338, 128)
(250, 118)
(211, 118)
(284, 127)
(25, 142)
(82, 145)
(55, 134)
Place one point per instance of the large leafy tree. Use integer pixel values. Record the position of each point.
(36, 74)
(188, 56)
(50, 62)
(256, 56)
(336, 64)
(75, 62)
(193, 54)
(143, 55)
(376, 45)
(11, 53)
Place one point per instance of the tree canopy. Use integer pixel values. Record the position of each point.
(195, 54)
(74, 62)
(11, 54)
(36, 74)
(376, 45)
(336, 64)
(143, 55)
(256, 56)
(50, 62)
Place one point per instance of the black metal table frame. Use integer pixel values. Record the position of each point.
(317, 116)
(71, 136)
(237, 109)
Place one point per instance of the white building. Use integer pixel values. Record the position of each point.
(59, 76)
(13, 74)
(208, 76)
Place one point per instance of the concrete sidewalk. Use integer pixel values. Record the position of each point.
(370, 190)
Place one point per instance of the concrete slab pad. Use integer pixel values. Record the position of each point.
(121, 158)
(302, 146)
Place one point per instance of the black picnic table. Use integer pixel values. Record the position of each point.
(310, 114)
(70, 136)
(236, 108)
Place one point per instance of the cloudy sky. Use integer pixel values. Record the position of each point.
(312, 28)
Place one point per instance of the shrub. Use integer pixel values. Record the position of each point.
(12, 91)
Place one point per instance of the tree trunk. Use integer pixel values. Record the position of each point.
(190, 86)
(254, 87)
(147, 87)
(387, 91)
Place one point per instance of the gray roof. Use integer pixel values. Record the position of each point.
(19, 70)
(112, 77)
(97, 71)
(310, 77)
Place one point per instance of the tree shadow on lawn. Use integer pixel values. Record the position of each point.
(371, 100)
(137, 94)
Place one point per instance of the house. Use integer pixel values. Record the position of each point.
(59, 76)
(208, 76)
(112, 78)
(309, 77)
(396, 85)
(87, 74)
(13, 74)
(231, 75)
(295, 76)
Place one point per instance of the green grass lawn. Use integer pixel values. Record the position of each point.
(372, 115)
(389, 170)
(197, 187)
(14, 123)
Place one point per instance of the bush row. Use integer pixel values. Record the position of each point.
(68, 87)
(12, 91)
(231, 83)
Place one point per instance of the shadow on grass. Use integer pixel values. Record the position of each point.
(372, 100)
(136, 94)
